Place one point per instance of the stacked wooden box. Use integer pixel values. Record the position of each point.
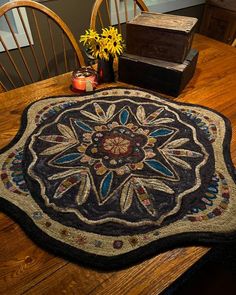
(159, 55)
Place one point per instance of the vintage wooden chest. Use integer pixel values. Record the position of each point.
(162, 36)
(158, 75)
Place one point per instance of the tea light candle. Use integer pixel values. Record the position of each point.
(84, 79)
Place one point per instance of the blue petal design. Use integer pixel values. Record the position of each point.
(159, 167)
(212, 189)
(161, 132)
(67, 158)
(195, 210)
(106, 184)
(124, 116)
(83, 126)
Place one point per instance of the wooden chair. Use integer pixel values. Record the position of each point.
(41, 58)
(110, 12)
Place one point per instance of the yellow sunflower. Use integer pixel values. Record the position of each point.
(94, 49)
(99, 49)
(104, 53)
(115, 47)
(111, 33)
(109, 43)
(89, 37)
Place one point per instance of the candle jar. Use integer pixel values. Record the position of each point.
(84, 80)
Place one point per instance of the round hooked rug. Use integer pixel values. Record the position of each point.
(112, 177)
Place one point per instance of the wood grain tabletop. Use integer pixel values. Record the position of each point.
(27, 269)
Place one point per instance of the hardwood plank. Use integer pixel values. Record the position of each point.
(70, 279)
(77, 280)
(153, 276)
(22, 263)
(5, 221)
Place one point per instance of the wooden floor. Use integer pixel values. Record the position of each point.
(27, 269)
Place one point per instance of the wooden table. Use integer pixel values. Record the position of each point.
(25, 268)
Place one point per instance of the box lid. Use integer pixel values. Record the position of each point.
(162, 63)
(168, 22)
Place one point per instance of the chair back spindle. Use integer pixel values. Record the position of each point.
(53, 44)
(30, 42)
(18, 46)
(64, 52)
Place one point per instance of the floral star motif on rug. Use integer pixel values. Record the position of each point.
(110, 151)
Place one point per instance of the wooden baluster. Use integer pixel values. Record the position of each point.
(100, 19)
(118, 16)
(64, 51)
(40, 41)
(53, 45)
(8, 77)
(126, 11)
(30, 43)
(12, 61)
(76, 61)
(2, 87)
(108, 11)
(18, 46)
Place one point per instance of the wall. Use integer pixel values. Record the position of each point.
(75, 13)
